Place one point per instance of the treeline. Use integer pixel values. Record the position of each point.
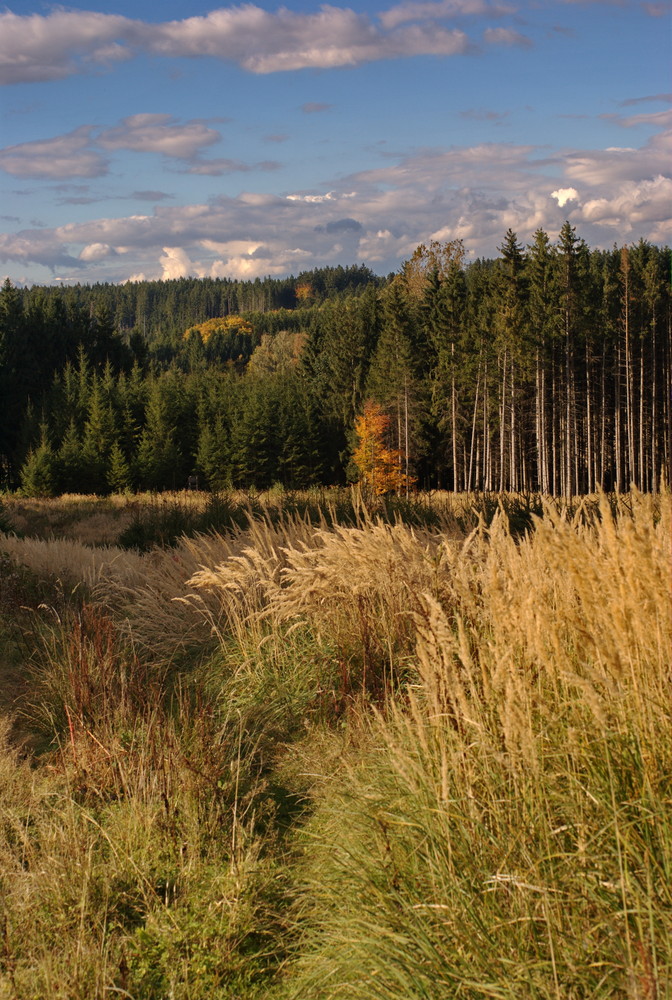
(161, 310)
(549, 368)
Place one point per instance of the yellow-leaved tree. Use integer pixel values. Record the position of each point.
(220, 324)
(381, 469)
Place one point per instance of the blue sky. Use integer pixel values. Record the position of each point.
(144, 141)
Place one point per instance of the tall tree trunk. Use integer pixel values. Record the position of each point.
(589, 423)
(642, 473)
(453, 419)
(406, 447)
(618, 456)
(502, 430)
(473, 429)
(603, 420)
(654, 410)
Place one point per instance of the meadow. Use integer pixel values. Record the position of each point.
(301, 746)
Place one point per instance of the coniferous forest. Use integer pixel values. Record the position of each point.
(546, 369)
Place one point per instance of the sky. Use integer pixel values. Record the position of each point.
(143, 140)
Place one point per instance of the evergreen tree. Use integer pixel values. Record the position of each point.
(72, 466)
(159, 463)
(118, 470)
(38, 473)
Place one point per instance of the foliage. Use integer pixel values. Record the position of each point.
(380, 468)
(219, 324)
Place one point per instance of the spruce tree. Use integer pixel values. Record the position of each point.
(38, 473)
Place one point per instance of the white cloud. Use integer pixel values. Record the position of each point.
(39, 47)
(34, 47)
(263, 42)
(96, 251)
(646, 202)
(232, 247)
(563, 195)
(67, 155)
(314, 199)
(151, 133)
(175, 263)
(377, 216)
(430, 10)
(605, 166)
(659, 119)
(246, 268)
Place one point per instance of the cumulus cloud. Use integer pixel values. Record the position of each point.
(67, 155)
(96, 251)
(377, 216)
(648, 201)
(563, 195)
(175, 263)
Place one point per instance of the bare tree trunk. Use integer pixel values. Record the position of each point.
(540, 402)
(503, 483)
(487, 444)
(589, 423)
(554, 429)
(406, 430)
(642, 472)
(567, 491)
(514, 477)
(667, 408)
(629, 425)
(654, 410)
(473, 428)
(603, 421)
(617, 422)
(453, 418)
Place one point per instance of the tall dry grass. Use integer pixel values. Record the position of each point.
(429, 764)
(509, 833)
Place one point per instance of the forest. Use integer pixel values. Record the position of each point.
(547, 369)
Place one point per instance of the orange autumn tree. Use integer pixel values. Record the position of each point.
(381, 469)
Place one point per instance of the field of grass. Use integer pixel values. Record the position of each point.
(289, 746)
